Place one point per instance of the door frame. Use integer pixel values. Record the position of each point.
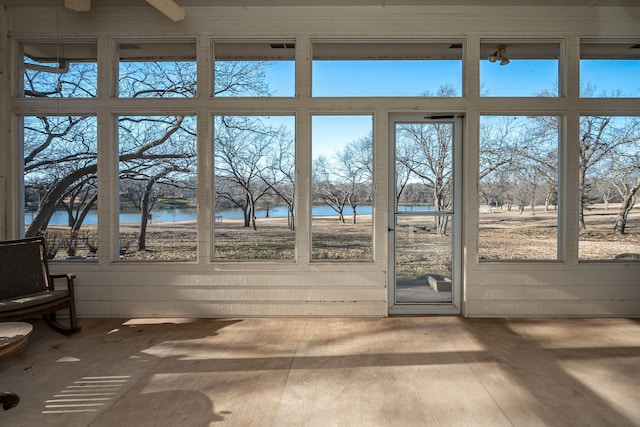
(453, 307)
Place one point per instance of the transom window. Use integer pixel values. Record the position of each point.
(342, 69)
(254, 69)
(609, 69)
(519, 69)
(157, 69)
(59, 70)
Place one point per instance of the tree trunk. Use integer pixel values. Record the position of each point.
(250, 218)
(442, 225)
(582, 195)
(84, 213)
(144, 215)
(625, 208)
(291, 219)
(50, 201)
(247, 210)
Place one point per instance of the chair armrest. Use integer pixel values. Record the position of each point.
(69, 276)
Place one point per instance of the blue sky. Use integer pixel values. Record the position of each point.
(414, 78)
(331, 133)
(611, 75)
(384, 78)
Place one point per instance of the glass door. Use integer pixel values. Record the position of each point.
(425, 227)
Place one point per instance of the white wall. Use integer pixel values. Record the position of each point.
(105, 289)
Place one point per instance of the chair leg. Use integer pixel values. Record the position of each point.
(52, 321)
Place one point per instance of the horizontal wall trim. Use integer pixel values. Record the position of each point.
(629, 308)
(245, 294)
(554, 293)
(226, 309)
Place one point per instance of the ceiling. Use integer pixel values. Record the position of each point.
(244, 3)
(44, 52)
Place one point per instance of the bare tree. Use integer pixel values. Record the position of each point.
(241, 144)
(155, 150)
(64, 79)
(140, 193)
(80, 201)
(60, 153)
(354, 167)
(152, 79)
(601, 138)
(627, 183)
(405, 155)
(326, 187)
(279, 172)
(432, 163)
(241, 78)
(499, 147)
(628, 202)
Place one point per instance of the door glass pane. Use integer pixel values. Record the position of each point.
(423, 212)
(423, 259)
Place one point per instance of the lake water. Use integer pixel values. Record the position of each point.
(175, 215)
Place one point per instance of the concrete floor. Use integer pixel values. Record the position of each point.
(402, 371)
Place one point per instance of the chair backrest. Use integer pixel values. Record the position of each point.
(23, 267)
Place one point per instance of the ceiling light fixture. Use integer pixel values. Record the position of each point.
(500, 55)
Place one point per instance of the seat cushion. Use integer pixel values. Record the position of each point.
(32, 300)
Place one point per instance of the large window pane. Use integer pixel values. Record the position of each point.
(519, 69)
(59, 70)
(157, 191)
(157, 70)
(609, 178)
(342, 193)
(254, 181)
(60, 183)
(387, 69)
(518, 188)
(609, 69)
(254, 69)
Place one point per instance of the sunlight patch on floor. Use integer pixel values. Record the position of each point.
(88, 394)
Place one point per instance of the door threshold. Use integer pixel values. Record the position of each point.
(423, 309)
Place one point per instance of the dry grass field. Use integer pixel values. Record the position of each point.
(510, 235)
(503, 236)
